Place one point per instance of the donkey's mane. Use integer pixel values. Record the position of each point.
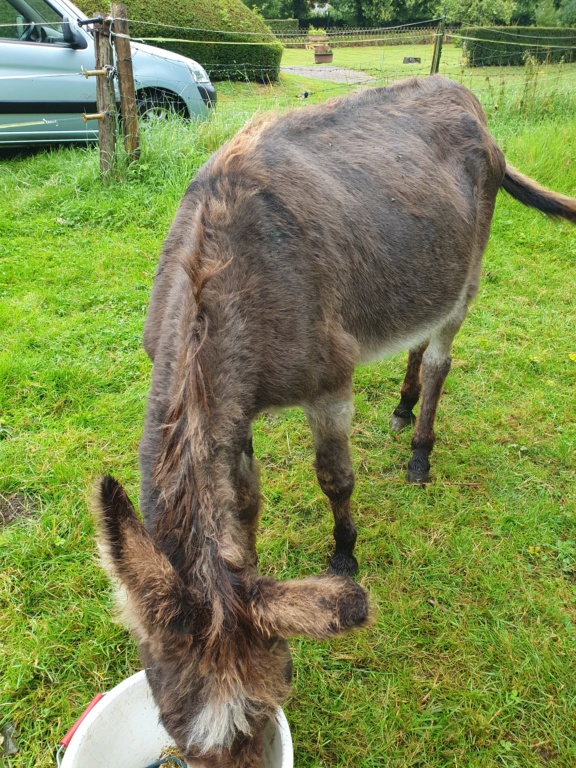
(196, 528)
(185, 432)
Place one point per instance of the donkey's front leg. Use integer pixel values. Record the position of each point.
(330, 419)
(247, 486)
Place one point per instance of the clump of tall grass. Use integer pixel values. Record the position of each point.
(542, 93)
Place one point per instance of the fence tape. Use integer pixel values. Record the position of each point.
(545, 46)
(25, 125)
(301, 33)
(37, 77)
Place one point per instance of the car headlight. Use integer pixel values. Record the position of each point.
(198, 73)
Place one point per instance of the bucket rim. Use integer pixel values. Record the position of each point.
(66, 752)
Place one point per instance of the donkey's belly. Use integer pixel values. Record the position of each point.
(389, 334)
(374, 350)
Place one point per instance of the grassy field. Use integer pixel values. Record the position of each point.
(472, 661)
(388, 62)
(537, 91)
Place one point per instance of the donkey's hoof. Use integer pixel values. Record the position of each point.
(401, 419)
(419, 467)
(342, 565)
(418, 475)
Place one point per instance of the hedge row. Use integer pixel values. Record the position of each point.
(283, 25)
(257, 62)
(254, 55)
(509, 46)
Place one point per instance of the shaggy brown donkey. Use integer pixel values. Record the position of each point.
(311, 242)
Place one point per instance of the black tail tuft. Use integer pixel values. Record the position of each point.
(112, 507)
(113, 499)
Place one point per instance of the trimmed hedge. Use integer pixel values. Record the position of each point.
(231, 56)
(283, 26)
(509, 46)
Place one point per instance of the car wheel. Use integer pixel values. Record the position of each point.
(159, 105)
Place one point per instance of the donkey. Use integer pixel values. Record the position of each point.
(311, 242)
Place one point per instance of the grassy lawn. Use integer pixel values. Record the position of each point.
(385, 60)
(544, 88)
(472, 661)
(532, 91)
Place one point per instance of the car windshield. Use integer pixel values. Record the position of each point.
(32, 20)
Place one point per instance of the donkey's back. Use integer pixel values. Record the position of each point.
(359, 223)
(394, 188)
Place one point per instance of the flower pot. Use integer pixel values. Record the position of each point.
(323, 58)
(312, 40)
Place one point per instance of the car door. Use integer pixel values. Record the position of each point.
(42, 90)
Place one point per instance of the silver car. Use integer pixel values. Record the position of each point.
(43, 93)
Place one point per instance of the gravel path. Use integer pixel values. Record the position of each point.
(327, 72)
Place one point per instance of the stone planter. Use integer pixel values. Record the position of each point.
(322, 54)
(314, 40)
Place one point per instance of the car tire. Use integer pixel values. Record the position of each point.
(153, 106)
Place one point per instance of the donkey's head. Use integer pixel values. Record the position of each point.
(215, 649)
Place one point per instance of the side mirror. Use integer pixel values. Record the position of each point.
(72, 35)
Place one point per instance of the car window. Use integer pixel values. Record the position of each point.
(10, 20)
(32, 21)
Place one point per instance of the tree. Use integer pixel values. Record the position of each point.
(406, 11)
(524, 15)
(567, 13)
(363, 13)
(271, 9)
(486, 12)
(280, 9)
(545, 14)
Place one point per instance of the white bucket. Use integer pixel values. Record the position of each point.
(123, 731)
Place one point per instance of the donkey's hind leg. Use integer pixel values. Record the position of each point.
(410, 392)
(434, 369)
(330, 419)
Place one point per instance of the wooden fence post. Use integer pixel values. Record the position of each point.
(128, 109)
(106, 99)
(437, 54)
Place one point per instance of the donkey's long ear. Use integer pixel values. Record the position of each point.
(155, 596)
(318, 607)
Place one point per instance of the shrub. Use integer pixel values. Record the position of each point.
(283, 26)
(567, 13)
(505, 46)
(233, 55)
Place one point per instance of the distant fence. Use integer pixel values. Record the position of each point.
(510, 46)
(342, 37)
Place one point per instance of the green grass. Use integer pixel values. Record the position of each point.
(538, 90)
(472, 661)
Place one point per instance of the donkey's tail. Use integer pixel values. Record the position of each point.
(528, 192)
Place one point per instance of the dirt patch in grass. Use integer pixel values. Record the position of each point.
(16, 507)
(333, 74)
(547, 755)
